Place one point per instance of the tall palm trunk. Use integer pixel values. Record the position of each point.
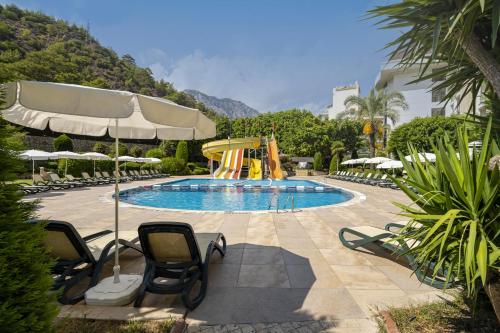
(372, 137)
(486, 63)
(384, 140)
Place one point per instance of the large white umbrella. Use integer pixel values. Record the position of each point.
(68, 155)
(91, 111)
(126, 158)
(391, 164)
(96, 157)
(36, 155)
(377, 160)
(423, 157)
(153, 160)
(347, 162)
(361, 160)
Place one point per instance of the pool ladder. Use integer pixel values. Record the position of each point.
(290, 199)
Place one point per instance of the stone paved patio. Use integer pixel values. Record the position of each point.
(283, 272)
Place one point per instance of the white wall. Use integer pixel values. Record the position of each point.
(418, 96)
(339, 95)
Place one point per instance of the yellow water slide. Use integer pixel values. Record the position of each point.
(274, 160)
(229, 152)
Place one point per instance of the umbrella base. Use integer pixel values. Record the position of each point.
(108, 293)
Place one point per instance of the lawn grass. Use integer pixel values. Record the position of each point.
(24, 181)
(73, 325)
(448, 316)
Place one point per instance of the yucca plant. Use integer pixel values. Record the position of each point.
(455, 212)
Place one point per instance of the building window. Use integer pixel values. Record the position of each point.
(435, 112)
(438, 78)
(438, 95)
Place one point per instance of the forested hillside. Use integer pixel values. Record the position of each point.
(34, 46)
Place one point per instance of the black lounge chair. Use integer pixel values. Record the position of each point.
(87, 177)
(54, 178)
(122, 176)
(88, 182)
(173, 251)
(38, 180)
(32, 189)
(79, 257)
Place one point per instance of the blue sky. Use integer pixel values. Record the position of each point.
(272, 55)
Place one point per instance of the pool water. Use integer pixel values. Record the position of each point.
(235, 195)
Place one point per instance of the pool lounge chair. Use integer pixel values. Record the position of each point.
(106, 175)
(86, 176)
(32, 189)
(386, 239)
(173, 251)
(122, 176)
(89, 182)
(81, 255)
(54, 177)
(38, 180)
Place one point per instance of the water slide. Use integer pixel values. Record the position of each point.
(274, 161)
(228, 153)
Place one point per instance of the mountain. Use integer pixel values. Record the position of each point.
(34, 46)
(224, 106)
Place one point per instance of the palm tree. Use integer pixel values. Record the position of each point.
(462, 34)
(337, 149)
(374, 110)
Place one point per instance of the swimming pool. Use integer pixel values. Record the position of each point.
(235, 195)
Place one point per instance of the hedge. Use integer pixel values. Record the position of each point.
(174, 166)
(421, 132)
(63, 143)
(318, 161)
(182, 153)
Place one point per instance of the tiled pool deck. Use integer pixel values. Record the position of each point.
(282, 272)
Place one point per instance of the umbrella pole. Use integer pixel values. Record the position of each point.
(66, 168)
(94, 168)
(116, 268)
(33, 171)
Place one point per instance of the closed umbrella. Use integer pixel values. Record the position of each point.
(96, 157)
(36, 155)
(91, 111)
(68, 155)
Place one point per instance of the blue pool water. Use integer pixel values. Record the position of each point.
(235, 195)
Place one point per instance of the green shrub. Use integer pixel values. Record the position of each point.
(167, 147)
(108, 166)
(130, 166)
(26, 304)
(63, 143)
(100, 147)
(200, 171)
(174, 166)
(182, 153)
(75, 167)
(333, 164)
(318, 161)
(122, 149)
(155, 152)
(136, 151)
(455, 210)
(191, 166)
(421, 132)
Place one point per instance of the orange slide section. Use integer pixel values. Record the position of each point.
(274, 161)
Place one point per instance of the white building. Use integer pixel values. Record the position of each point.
(339, 95)
(422, 100)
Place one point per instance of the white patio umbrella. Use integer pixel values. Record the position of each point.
(347, 162)
(68, 155)
(423, 157)
(36, 155)
(153, 160)
(96, 157)
(91, 111)
(361, 160)
(126, 158)
(391, 164)
(377, 160)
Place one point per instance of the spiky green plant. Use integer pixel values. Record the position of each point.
(455, 216)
